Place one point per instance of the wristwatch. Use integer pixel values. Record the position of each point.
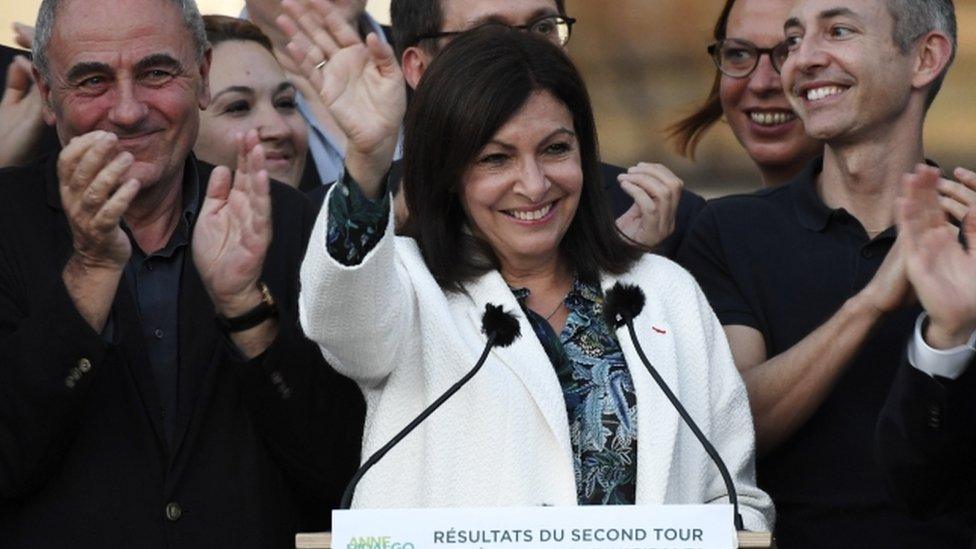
(264, 310)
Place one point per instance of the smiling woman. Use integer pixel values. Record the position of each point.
(501, 176)
(748, 92)
(249, 90)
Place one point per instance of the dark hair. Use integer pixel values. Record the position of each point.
(221, 28)
(412, 19)
(480, 80)
(688, 132)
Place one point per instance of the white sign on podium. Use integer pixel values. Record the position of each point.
(589, 527)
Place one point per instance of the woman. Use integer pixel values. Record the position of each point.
(748, 92)
(502, 180)
(249, 90)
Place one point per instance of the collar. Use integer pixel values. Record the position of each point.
(191, 205)
(811, 211)
(581, 290)
(191, 189)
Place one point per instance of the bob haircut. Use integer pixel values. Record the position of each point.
(480, 81)
(688, 132)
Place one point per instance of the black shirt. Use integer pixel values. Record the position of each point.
(782, 262)
(154, 280)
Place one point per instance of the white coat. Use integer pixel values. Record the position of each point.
(503, 440)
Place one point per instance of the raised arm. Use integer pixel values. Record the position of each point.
(354, 302)
(360, 83)
(941, 271)
(925, 432)
(231, 239)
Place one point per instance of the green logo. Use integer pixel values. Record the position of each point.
(377, 542)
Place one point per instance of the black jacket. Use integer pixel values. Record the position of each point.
(926, 443)
(262, 448)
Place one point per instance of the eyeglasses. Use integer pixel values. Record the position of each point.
(739, 58)
(556, 28)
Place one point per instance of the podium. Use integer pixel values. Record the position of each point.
(699, 526)
(747, 540)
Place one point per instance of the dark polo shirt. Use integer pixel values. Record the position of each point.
(782, 262)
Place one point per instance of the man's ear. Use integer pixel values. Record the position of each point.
(42, 86)
(414, 63)
(932, 56)
(204, 95)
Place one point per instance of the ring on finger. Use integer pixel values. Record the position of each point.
(321, 64)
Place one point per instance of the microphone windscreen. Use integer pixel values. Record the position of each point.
(504, 326)
(622, 302)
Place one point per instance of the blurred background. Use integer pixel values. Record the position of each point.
(645, 64)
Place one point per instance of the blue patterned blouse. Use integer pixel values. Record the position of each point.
(599, 393)
(601, 404)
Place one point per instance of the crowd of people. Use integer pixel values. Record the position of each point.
(239, 254)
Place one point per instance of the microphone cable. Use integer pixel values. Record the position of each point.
(502, 328)
(622, 304)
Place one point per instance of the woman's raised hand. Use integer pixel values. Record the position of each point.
(360, 82)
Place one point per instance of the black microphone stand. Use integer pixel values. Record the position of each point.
(709, 448)
(623, 304)
(502, 329)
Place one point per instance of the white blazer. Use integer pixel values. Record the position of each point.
(503, 440)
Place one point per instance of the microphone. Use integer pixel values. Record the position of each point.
(502, 329)
(622, 304)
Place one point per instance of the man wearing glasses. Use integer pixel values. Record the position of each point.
(663, 211)
(809, 279)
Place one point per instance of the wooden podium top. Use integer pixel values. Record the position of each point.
(747, 540)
